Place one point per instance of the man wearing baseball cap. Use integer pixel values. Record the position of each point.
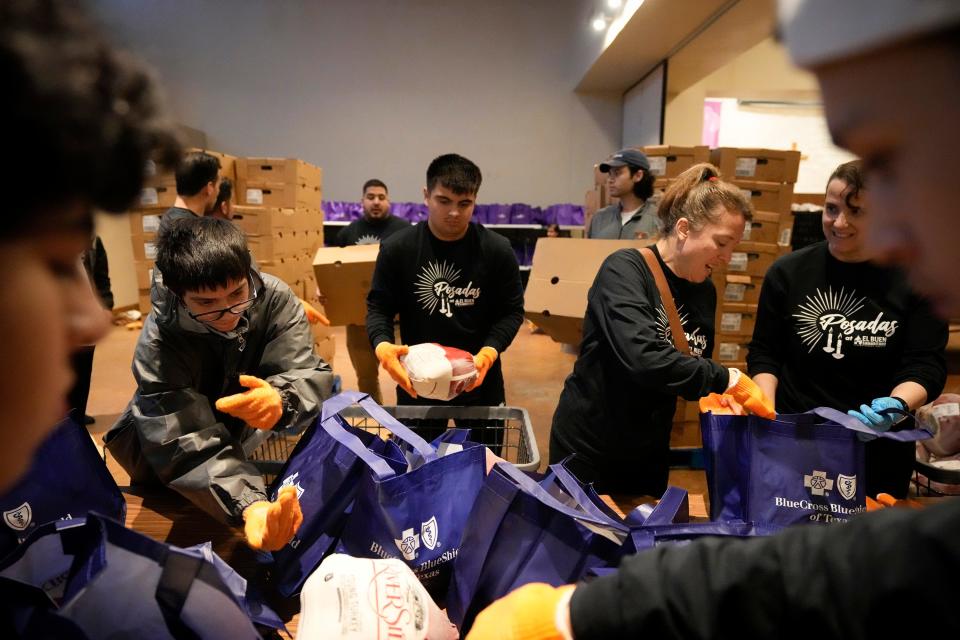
(889, 73)
(635, 216)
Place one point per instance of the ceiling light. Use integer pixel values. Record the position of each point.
(599, 24)
(614, 4)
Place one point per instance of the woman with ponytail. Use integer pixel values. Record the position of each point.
(616, 409)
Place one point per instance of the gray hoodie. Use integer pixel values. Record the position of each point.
(171, 432)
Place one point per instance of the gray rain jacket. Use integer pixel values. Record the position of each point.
(172, 433)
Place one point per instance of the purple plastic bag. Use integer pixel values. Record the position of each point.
(418, 514)
(67, 479)
(326, 473)
(520, 533)
(798, 468)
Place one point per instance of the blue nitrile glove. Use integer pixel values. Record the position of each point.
(876, 415)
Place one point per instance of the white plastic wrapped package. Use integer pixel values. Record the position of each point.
(942, 418)
(359, 598)
(438, 372)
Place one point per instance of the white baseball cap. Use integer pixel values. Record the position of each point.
(817, 32)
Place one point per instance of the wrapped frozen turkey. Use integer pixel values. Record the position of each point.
(358, 598)
(438, 372)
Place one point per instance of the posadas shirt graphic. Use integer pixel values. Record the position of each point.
(440, 289)
(696, 336)
(838, 321)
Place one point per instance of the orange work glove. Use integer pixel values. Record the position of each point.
(745, 391)
(260, 407)
(483, 361)
(721, 405)
(389, 356)
(885, 500)
(527, 613)
(269, 526)
(314, 316)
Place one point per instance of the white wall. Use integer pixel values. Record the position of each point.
(643, 110)
(369, 88)
(785, 127)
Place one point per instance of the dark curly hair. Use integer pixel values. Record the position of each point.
(851, 173)
(202, 253)
(80, 119)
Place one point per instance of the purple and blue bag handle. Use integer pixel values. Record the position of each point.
(328, 422)
(673, 506)
(851, 423)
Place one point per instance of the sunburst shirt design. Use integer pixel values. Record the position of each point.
(437, 288)
(830, 315)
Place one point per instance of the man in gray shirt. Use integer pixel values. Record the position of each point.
(635, 216)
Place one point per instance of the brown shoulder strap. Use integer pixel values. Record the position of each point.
(676, 329)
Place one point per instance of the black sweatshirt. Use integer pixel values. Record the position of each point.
(854, 581)
(465, 294)
(173, 214)
(840, 334)
(616, 408)
(364, 231)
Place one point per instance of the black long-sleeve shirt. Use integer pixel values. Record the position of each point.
(840, 334)
(616, 408)
(877, 572)
(465, 294)
(365, 231)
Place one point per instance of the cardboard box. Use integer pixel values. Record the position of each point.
(767, 196)
(280, 244)
(563, 271)
(279, 170)
(262, 221)
(685, 434)
(766, 165)
(278, 194)
(144, 270)
(667, 161)
(736, 319)
(343, 275)
(158, 197)
(753, 258)
(145, 221)
(144, 246)
(765, 227)
(143, 301)
(290, 269)
(731, 348)
(738, 287)
(687, 411)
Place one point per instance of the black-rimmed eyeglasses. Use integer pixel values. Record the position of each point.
(234, 309)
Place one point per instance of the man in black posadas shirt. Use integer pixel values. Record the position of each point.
(198, 186)
(451, 282)
(376, 225)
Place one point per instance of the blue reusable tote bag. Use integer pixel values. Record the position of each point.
(418, 514)
(92, 578)
(795, 469)
(519, 533)
(326, 474)
(67, 479)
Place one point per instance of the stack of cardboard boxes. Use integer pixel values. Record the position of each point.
(280, 213)
(278, 208)
(766, 177)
